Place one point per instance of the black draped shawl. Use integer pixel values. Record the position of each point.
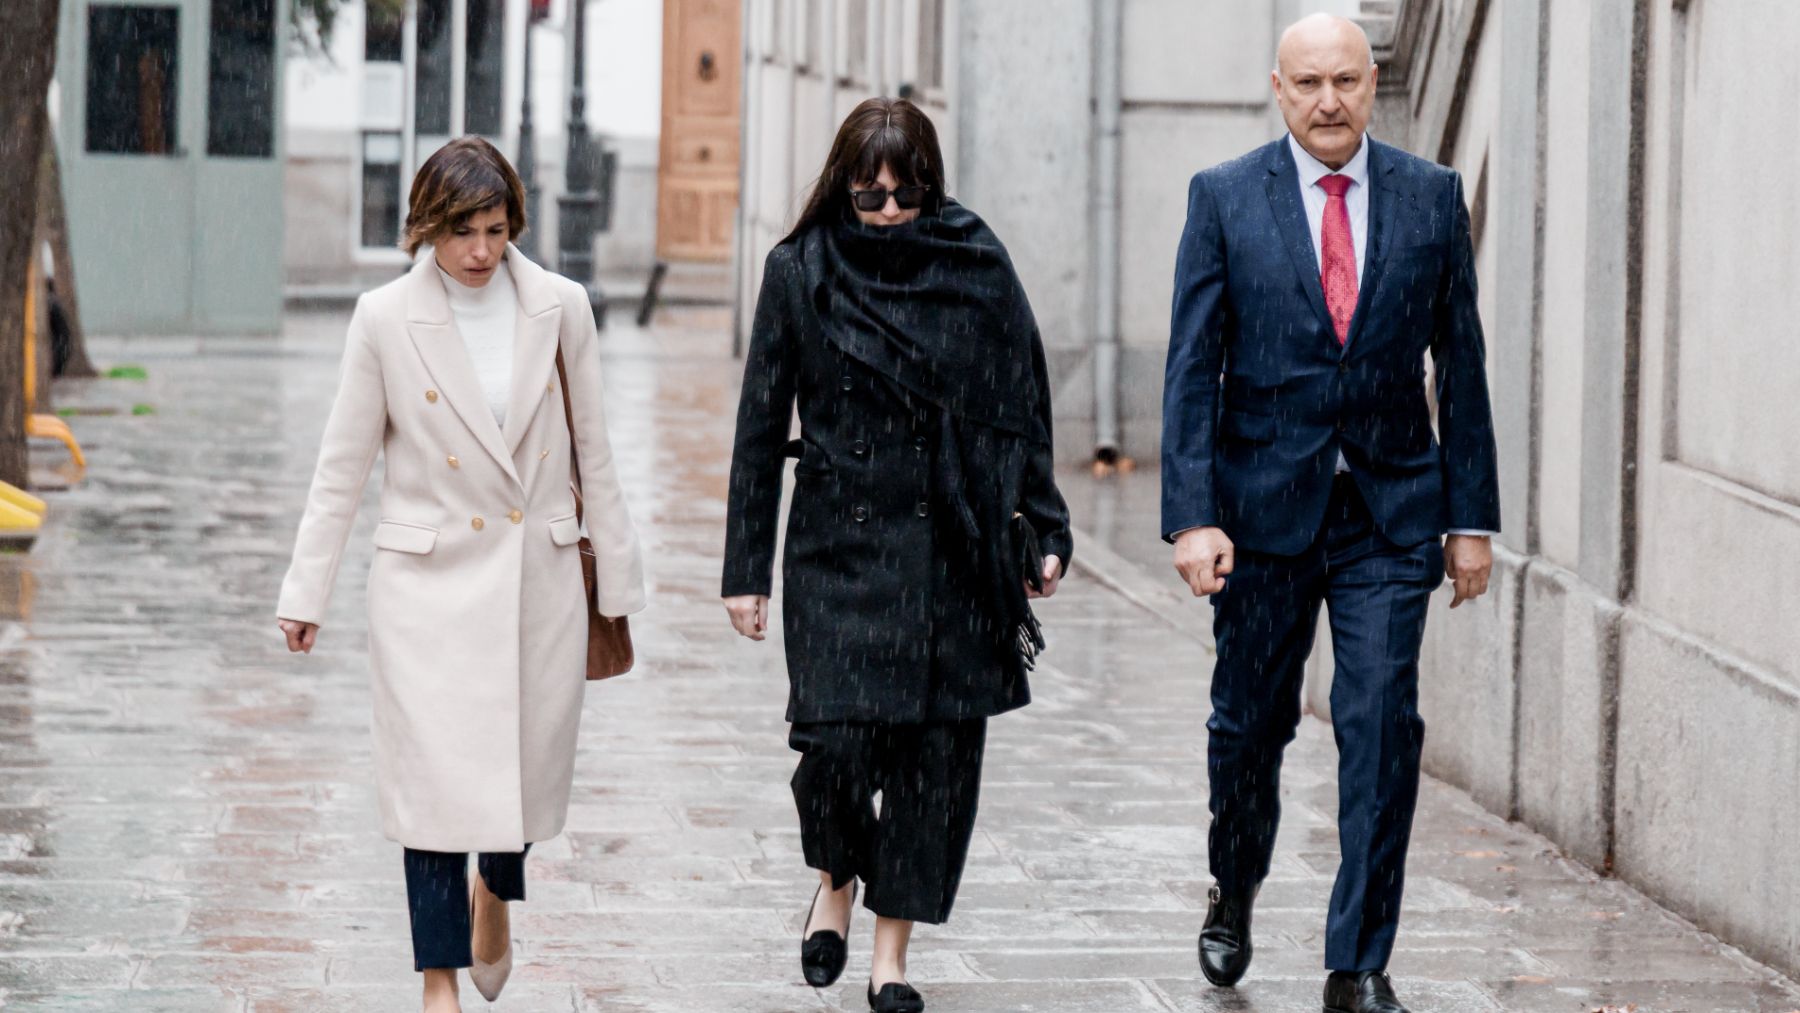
(935, 307)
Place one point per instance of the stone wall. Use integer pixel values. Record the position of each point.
(1631, 688)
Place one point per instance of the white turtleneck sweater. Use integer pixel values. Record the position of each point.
(487, 317)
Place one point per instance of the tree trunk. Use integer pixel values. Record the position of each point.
(28, 52)
(55, 211)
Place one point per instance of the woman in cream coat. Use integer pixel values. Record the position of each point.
(477, 619)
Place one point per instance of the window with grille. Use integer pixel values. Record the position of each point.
(381, 188)
(483, 65)
(240, 86)
(384, 27)
(431, 73)
(132, 79)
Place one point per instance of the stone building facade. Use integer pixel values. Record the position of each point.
(1636, 686)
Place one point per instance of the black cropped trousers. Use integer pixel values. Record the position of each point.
(910, 849)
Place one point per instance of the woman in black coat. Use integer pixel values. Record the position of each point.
(925, 514)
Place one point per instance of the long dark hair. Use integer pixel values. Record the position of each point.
(881, 131)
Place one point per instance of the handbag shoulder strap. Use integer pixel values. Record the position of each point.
(562, 376)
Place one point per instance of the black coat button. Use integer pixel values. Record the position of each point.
(1343, 367)
(924, 509)
(921, 443)
(844, 384)
(859, 448)
(860, 514)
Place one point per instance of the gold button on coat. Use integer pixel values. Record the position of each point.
(477, 523)
(454, 463)
(549, 387)
(515, 516)
(543, 454)
(431, 396)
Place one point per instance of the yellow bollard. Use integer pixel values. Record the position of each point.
(18, 524)
(15, 496)
(31, 284)
(51, 427)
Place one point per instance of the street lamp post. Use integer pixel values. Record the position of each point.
(577, 206)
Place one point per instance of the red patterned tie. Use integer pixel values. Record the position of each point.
(1337, 256)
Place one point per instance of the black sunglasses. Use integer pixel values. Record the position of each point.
(908, 197)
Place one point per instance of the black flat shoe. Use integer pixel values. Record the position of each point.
(1225, 938)
(1361, 992)
(823, 954)
(896, 997)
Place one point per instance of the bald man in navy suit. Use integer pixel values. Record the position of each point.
(1301, 467)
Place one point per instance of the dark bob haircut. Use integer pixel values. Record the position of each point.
(462, 177)
(881, 131)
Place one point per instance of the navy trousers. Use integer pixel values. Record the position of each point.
(910, 853)
(1376, 595)
(437, 892)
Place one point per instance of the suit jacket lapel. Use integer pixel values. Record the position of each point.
(440, 346)
(1384, 200)
(1290, 217)
(534, 345)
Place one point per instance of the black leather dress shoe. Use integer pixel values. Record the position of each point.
(896, 997)
(1225, 938)
(1361, 992)
(824, 953)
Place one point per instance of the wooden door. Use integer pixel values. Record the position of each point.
(697, 175)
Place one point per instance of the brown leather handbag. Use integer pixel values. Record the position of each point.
(609, 640)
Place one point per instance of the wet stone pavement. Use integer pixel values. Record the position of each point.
(187, 822)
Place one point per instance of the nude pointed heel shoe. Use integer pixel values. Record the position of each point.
(489, 979)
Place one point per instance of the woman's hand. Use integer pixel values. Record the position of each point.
(749, 614)
(1053, 575)
(300, 636)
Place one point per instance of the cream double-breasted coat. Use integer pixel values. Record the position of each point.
(477, 625)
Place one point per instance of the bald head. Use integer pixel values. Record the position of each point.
(1305, 37)
(1324, 80)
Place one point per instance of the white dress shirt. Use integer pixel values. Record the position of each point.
(1356, 199)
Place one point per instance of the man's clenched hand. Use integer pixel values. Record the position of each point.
(1203, 557)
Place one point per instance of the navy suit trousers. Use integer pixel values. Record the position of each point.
(1376, 594)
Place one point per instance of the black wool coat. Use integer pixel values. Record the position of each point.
(883, 613)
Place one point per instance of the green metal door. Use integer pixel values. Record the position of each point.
(170, 133)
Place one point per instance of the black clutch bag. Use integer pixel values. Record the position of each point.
(1029, 553)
